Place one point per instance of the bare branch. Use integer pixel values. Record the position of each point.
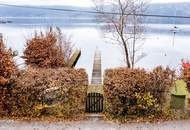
(126, 30)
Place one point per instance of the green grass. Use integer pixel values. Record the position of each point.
(95, 89)
(179, 93)
(180, 88)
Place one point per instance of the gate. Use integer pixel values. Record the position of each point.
(94, 103)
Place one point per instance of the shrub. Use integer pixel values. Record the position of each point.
(64, 87)
(120, 86)
(161, 81)
(146, 104)
(49, 50)
(7, 64)
(8, 72)
(134, 91)
(186, 72)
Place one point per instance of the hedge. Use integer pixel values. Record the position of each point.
(135, 91)
(62, 88)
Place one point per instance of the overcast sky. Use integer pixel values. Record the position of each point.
(69, 2)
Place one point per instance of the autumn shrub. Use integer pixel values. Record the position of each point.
(146, 104)
(161, 81)
(134, 91)
(37, 90)
(120, 86)
(185, 69)
(48, 50)
(8, 72)
(7, 65)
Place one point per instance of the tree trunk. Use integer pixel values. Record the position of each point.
(127, 57)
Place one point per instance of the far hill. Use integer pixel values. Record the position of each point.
(161, 9)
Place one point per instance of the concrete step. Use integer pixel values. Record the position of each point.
(95, 116)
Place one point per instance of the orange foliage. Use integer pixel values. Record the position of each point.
(7, 65)
(42, 51)
(3, 81)
(64, 86)
(7, 71)
(136, 91)
(186, 72)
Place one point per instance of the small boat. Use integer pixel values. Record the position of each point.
(9, 21)
(4, 22)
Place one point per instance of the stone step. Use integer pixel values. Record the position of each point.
(95, 116)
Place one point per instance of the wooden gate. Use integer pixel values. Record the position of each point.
(94, 103)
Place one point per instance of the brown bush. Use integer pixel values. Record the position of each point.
(185, 72)
(43, 51)
(161, 81)
(63, 87)
(120, 86)
(7, 64)
(134, 91)
(8, 72)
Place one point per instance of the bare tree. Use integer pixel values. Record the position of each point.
(122, 22)
(65, 44)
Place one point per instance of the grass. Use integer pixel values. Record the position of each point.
(178, 95)
(180, 88)
(95, 89)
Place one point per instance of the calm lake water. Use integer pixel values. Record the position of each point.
(157, 44)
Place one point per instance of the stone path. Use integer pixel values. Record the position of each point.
(91, 124)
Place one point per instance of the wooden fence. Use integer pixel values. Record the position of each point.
(94, 103)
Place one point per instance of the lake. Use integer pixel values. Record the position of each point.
(157, 44)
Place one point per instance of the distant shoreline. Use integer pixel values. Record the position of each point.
(174, 9)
